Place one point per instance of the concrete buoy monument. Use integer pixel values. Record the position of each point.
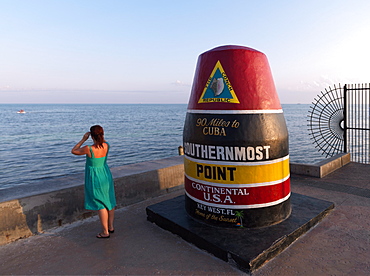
(237, 203)
(235, 142)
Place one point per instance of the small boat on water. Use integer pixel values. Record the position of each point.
(21, 111)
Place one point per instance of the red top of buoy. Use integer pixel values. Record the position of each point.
(233, 78)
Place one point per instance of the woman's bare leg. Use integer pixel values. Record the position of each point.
(103, 216)
(111, 220)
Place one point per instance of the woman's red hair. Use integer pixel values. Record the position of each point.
(97, 133)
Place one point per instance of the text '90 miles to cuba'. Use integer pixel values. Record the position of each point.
(215, 126)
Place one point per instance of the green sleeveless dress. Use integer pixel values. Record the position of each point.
(99, 185)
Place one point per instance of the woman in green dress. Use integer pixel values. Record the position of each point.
(99, 185)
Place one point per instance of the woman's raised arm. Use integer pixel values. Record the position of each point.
(77, 150)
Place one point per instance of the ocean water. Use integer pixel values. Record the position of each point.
(36, 145)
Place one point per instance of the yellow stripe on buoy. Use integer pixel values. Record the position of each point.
(237, 174)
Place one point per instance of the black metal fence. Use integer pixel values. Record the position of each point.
(339, 121)
(357, 122)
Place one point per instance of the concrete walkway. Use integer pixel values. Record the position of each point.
(339, 245)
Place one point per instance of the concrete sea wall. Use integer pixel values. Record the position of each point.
(29, 210)
(322, 168)
(25, 211)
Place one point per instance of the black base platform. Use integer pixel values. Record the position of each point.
(246, 248)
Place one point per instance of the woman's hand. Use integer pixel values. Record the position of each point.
(86, 136)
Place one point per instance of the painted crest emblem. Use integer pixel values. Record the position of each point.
(218, 88)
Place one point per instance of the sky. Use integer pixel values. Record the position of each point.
(118, 51)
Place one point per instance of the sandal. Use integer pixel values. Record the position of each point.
(100, 236)
(111, 231)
